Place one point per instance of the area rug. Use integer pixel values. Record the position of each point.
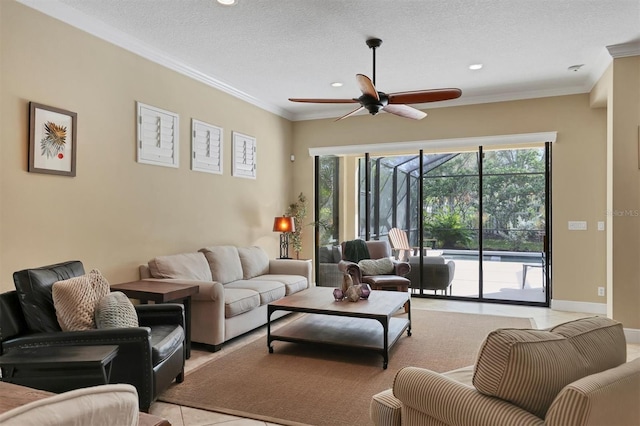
(319, 385)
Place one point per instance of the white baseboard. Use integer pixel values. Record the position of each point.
(572, 306)
(632, 335)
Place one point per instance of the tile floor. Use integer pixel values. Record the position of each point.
(185, 416)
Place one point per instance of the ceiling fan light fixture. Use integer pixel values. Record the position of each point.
(475, 67)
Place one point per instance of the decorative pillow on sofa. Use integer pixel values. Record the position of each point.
(526, 367)
(186, 266)
(254, 261)
(376, 266)
(224, 262)
(75, 300)
(115, 310)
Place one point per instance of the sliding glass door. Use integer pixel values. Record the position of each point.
(478, 219)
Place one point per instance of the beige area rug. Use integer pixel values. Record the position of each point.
(320, 385)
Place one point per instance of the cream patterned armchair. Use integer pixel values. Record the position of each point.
(573, 374)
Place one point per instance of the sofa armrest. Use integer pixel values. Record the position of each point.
(160, 314)
(449, 402)
(401, 268)
(291, 267)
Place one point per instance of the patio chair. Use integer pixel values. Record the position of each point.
(400, 245)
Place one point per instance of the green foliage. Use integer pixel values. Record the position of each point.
(298, 211)
(448, 228)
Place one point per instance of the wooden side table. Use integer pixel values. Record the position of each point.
(59, 368)
(163, 292)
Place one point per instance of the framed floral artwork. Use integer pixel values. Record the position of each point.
(52, 140)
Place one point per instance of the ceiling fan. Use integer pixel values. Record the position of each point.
(395, 103)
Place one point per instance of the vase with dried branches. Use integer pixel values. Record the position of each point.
(298, 211)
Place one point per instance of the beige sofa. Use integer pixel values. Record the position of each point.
(236, 285)
(572, 374)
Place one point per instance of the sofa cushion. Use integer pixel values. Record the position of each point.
(254, 262)
(165, 339)
(115, 310)
(269, 291)
(239, 300)
(292, 283)
(381, 266)
(526, 367)
(75, 300)
(325, 255)
(224, 262)
(186, 266)
(599, 340)
(34, 290)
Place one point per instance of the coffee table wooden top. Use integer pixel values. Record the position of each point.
(157, 291)
(320, 300)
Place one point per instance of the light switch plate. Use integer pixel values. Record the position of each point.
(600, 226)
(575, 225)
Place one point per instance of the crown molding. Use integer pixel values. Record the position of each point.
(624, 49)
(73, 17)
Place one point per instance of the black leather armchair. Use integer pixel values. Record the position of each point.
(149, 357)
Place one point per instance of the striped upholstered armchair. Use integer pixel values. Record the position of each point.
(573, 374)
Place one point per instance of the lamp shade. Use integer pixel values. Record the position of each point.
(283, 224)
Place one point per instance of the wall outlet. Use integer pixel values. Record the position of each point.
(600, 291)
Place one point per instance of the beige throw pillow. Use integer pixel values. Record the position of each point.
(254, 260)
(382, 266)
(115, 310)
(186, 266)
(75, 300)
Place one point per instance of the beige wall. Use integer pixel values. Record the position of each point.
(579, 162)
(624, 139)
(117, 213)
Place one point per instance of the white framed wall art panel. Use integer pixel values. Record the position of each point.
(206, 147)
(244, 156)
(158, 136)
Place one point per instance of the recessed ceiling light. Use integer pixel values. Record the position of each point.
(475, 66)
(336, 84)
(227, 2)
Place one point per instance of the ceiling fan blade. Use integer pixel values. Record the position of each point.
(405, 111)
(350, 114)
(366, 86)
(325, 101)
(423, 96)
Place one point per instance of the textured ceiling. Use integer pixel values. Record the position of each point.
(270, 50)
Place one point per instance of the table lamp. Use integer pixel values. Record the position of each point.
(285, 225)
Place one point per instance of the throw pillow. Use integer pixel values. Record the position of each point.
(254, 261)
(75, 300)
(224, 262)
(382, 266)
(115, 310)
(186, 266)
(526, 367)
